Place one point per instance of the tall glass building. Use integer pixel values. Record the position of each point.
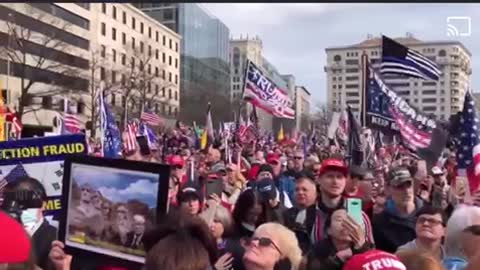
(204, 68)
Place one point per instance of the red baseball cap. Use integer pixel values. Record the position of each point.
(374, 259)
(273, 157)
(333, 164)
(176, 161)
(15, 246)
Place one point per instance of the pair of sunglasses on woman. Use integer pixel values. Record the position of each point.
(263, 242)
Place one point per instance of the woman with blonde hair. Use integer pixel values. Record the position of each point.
(273, 246)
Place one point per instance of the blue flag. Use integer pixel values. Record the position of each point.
(150, 135)
(112, 147)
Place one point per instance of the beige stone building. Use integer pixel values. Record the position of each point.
(442, 98)
(93, 42)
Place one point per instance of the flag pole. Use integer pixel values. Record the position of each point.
(102, 117)
(363, 89)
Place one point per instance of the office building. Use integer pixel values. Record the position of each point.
(440, 99)
(205, 73)
(93, 43)
(302, 107)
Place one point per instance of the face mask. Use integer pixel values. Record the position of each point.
(29, 218)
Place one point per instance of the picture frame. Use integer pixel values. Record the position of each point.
(108, 205)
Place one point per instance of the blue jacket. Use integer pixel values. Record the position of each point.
(287, 184)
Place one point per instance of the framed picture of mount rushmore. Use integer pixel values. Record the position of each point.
(109, 205)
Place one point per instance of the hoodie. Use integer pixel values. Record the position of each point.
(390, 230)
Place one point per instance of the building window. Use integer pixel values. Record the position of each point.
(156, 89)
(164, 40)
(114, 34)
(103, 51)
(169, 76)
(176, 46)
(114, 76)
(124, 17)
(124, 38)
(338, 58)
(351, 61)
(124, 59)
(133, 62)
(169, 93)
(149, 89)
(176, 95)
(163, 74)
(163, 91)
(149, 32)
(156, 71)
(149, 69)
(102, 73)
(156, 54)
(169, 60)
(149, 50)
(141, 46)
(351, 70)
(156, 107)
(141, 28)
(114, 55)
(164, 58)
(156, 36)
(103, 29)
(170, 44)
(141, 65)
(133, 43)
(133, 23)
(104, 8)
(114, 12)
(123, 78)
(176, 79)
(176, 62)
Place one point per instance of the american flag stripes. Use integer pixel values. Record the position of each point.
(71, 124)
(131, 138)
(398, 59)
(412, 136)
(150, 118)
(468, 153)
(16, 123)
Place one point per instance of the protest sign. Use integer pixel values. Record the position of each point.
(42, 159)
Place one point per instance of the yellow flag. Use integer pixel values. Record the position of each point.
(280, 136)
(204, 139)
(2, 118)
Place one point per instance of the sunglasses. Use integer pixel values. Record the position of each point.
(264, 242)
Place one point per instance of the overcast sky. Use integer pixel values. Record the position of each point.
(295, 35)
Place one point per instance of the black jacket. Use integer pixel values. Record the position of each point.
(323, 255)
(302, 231)
(42, 243)
(391, 230)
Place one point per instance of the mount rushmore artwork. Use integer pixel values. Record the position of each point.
(110, 209)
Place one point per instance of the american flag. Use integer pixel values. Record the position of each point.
(150, 117)
(468, 153)
(17, 124)
(13, 175)
(242, 127)
(131, 138)
(398, 59)
(412, 136)
(71, 124)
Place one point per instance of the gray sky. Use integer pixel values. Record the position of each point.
(295, 35)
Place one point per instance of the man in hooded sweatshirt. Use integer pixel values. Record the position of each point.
(395, 226)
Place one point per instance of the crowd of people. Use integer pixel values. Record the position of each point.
(282, 206)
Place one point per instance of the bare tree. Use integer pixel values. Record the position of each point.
(144, 81)
(321, 118)
(19, 52)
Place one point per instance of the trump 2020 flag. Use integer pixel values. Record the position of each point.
(264, 93)
(468, 153)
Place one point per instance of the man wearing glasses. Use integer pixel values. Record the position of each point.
(430, 230)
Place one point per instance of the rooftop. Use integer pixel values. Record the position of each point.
(407, 41)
